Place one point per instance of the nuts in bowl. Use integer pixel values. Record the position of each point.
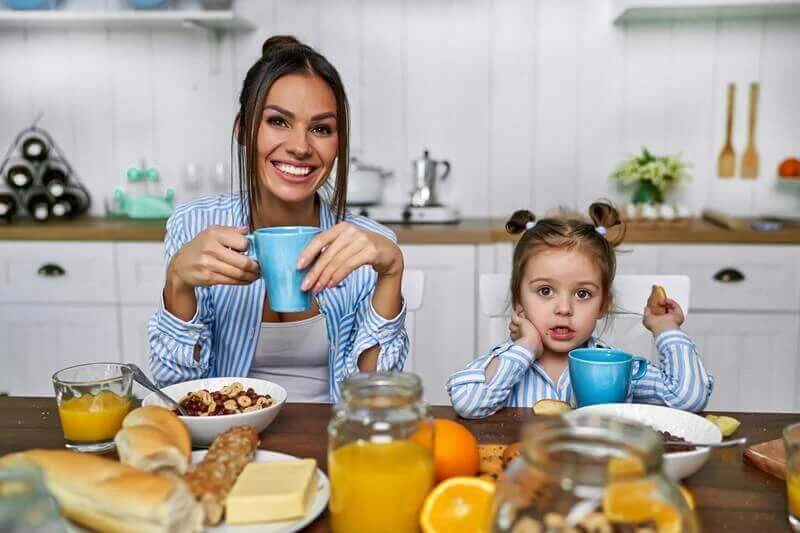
(210, 402)
(229, 400)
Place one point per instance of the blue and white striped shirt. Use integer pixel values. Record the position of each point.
(228, 318)
(679, 379)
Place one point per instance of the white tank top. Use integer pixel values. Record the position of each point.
(295, 356)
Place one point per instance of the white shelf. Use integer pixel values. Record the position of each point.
(632, 11)
(226, 21)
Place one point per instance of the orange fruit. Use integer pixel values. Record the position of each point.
(458, 504)
(688, 496)
(637, 501)
(455, 450)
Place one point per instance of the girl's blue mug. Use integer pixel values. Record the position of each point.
(600, 375)
(276, 250)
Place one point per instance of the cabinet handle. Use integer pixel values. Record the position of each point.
(729, 275)
(51, 270)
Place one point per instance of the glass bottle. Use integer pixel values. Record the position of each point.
(380, 454)
(589, 473)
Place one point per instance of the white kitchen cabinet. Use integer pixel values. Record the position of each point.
(737, 278)
(38, 340)
(753, 358)
(445, 324)
(57, 272)
(141, 271)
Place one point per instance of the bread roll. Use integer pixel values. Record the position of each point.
(107, 496)
(154, 439)
(150, 449)
(551, 407)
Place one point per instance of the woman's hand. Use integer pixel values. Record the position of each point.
(213, 257)
(342, 249)
(672, 319)
(524, 332)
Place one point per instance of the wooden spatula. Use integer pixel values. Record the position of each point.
(727, 159)
(749, 168)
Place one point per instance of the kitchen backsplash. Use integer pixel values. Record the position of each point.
(532, 101)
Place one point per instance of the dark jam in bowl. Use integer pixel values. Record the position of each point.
(667, 436)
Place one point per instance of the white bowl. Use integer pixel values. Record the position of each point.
(204, 428)
(694, 428)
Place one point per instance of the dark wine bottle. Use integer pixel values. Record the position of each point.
(39, 204)
(55, 177)
(33, 147)
(8, 205)
(19, 174)
(73, 202)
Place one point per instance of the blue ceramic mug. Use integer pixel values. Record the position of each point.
(600, 375)
(276, 250)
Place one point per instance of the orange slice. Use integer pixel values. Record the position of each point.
(637, 501)
(458, 504)
(620, 468)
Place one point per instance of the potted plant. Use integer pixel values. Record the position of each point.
(652, 176)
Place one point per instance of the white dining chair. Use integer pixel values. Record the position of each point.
(622, 329)
(413, 292)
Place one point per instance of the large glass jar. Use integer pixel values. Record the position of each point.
(380, 454)
(589, 473)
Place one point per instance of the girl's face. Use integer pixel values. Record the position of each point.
(561, 294)
(297, 138)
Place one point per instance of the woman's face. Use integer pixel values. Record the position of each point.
(297, 138)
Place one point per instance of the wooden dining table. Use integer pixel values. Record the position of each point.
(730, 494)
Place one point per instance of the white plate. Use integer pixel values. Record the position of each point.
(288, 526)
(677, 465)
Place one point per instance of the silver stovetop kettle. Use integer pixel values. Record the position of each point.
(424, 171)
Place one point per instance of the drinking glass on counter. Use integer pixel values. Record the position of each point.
(791, 441)
(380, 454)
(92, 401)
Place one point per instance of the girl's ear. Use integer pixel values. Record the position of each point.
(518, 309)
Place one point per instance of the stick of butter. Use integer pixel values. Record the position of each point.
(272, 491)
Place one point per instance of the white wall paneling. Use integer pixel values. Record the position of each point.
(533, 102)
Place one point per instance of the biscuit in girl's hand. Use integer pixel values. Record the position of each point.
(657, 300)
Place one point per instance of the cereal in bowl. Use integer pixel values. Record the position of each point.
(230, 399)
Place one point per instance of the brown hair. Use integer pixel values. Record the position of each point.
(282, 55)
(568, 234)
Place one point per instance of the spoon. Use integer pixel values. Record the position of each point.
(723, 444)
(143, 380)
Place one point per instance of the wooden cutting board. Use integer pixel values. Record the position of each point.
(768, 456)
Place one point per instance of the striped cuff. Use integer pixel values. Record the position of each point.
(465, 377)
(184, 332)
(520, 354)
(383, 329)
(672, 336)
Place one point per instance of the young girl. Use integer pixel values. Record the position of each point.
(560, 287)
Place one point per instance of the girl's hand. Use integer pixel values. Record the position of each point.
(524, 332)
(342, 249)
(213, 257)
(672, 319)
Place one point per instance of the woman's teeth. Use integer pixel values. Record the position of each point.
(293, 170)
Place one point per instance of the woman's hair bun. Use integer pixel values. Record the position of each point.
(278, 41)
(519, 220)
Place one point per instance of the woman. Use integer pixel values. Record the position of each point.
(215, 318)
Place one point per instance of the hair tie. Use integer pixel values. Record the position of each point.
(601, 230)
(530, 224)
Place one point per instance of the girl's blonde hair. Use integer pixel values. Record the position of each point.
(593, 236)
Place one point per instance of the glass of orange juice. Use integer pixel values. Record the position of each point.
(380, 454)
(92, 401)
(791, 441)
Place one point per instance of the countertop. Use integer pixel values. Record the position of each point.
(469, 231)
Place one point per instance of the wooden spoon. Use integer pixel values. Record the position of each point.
(749, 168)
(727, 159)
